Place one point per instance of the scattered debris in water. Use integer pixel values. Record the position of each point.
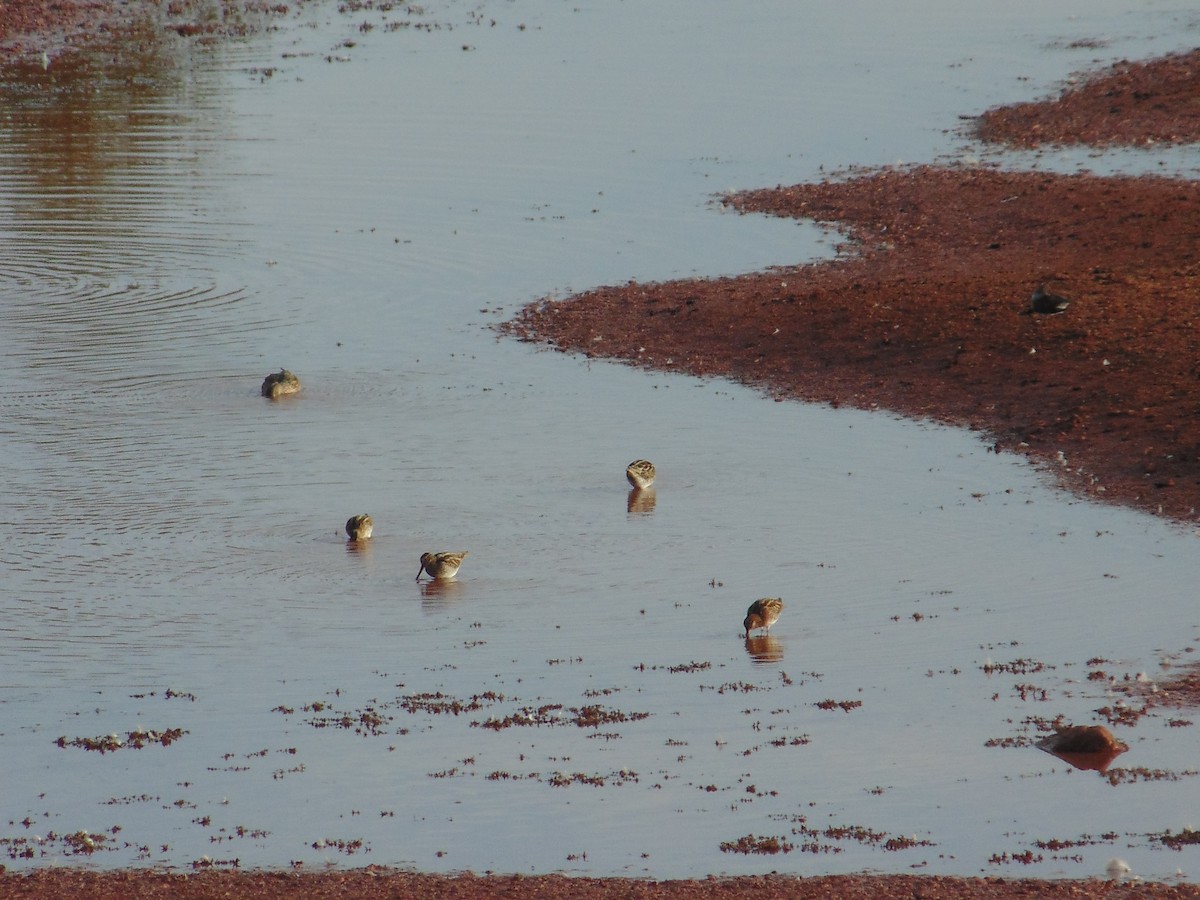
(134, 740)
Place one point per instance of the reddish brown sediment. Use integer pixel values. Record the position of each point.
(25, 24)
(1179, 688)
(30, 27)
(63, 27)
(375, 884)
(1129, 103)
(924, 318)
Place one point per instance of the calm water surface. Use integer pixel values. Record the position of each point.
(362, 200)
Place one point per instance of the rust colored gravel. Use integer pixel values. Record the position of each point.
(370, 884)
(1181, 689)
(27, 27)
(1140, 103)
(66, 27)
(924, 318)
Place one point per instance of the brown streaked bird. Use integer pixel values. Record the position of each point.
(640, 473)
(279, 384)
(763, 614)
(1045, 304)
(440, 565)
(359, 527)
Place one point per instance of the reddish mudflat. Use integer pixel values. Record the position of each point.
(367, 884)
(923, 315)
(924, 318)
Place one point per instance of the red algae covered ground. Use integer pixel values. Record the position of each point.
(1131, 103)
(369, 884)
(58, 27)
(924, 317)
(1181, 689)
(27, 27)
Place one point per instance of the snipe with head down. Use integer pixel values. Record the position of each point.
(762, 614)
(441, 565)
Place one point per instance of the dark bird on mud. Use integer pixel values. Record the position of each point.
(1045, 304)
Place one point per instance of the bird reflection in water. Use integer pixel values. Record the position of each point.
(361, 549)
(641, 502)
(436, 595)
(764, 649)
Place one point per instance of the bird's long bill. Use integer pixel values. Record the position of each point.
(420, 572)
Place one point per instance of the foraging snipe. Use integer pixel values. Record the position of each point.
(440, 565)
(359, 527)
(277, 384)
(640, 473)
(763, 614)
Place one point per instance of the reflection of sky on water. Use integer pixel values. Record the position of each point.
(364, 223)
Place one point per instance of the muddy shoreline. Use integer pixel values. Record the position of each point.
(921, 313)
(922, 317)
(369, 884)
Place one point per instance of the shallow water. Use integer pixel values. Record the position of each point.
(365, 215)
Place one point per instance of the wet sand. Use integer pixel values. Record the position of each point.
(922, 318)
